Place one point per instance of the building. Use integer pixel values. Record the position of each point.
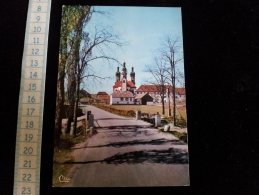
(123, 89)
(102, 95)
(122, 97)
(144, 99)
(155, 91)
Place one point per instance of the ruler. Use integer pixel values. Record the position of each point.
(31, 100)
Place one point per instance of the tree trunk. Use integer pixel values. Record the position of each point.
(59, 109)
(169, 109)
(70, 116)
(71, 96)
(163, 103)
(174, 104)
(76, 106)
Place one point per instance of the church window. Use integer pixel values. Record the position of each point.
(127, 99)
(121, 99)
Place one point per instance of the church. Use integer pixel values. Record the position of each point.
(123, 89)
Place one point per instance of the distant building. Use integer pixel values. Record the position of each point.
(122, 97)
(123, 90)
(155, 92)
(102, 96)
(144, 99)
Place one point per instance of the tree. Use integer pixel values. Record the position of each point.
(91, 50)
(159, 78)
(77, 50)
(68, 24)
(170, 53)
(81, 16)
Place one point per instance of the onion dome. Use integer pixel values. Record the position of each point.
(124, 67)
(132, 72)
(118, 72)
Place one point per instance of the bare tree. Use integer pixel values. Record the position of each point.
(159, 78)
(170, 52)
(92, 50)
(75, 56)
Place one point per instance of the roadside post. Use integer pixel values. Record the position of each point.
(138, 115)
(157, 120)
(90, 120)
(88, 114)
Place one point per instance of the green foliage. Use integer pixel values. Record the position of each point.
(181, 136)
(181, 122)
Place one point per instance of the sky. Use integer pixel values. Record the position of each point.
(142, 29)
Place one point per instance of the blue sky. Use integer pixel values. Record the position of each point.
(143, 28)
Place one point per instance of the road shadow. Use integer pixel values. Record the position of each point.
(113, 119)
(137, 142)
(169, 156)
(125, 126)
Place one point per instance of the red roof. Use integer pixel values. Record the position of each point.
(157, 88)
(129, 84)
(117, 94)
(103, 97)
(181, 91)
(152, 88)
(102, 93)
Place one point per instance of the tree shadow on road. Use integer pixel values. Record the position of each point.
(138, 142)
(169, 156)
(112, 119)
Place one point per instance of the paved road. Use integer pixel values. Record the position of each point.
(127, 152)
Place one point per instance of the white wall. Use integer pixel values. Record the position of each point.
(115, 100)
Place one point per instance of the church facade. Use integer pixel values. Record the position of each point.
(123, 89)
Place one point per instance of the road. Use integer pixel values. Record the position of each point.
(128, 152)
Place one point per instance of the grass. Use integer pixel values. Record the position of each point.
(150, 109)
(129, 111)
(64, 154)
(181, 136)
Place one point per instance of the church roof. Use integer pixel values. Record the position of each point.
(117, 94)
(129, 84)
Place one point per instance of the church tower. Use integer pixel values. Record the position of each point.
(118, 75)
(124, 72)
(132, 75)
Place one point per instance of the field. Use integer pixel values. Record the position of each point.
(181, 110)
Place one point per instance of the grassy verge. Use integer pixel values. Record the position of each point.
(181, 136)
(64, 155)
(119, 111)
(181, 111)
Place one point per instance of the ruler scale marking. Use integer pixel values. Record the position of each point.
(32, 89)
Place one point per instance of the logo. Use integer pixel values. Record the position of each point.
(63, 179)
